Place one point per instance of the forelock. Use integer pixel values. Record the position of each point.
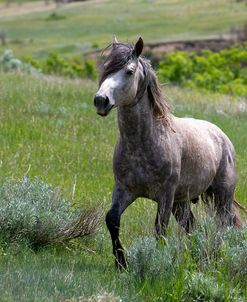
(120, 56)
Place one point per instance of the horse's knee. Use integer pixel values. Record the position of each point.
(112, 219)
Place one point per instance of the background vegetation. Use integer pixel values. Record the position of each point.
(224, 72)
(92, 24)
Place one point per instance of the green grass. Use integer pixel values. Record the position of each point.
(49, 129)
(92, 24)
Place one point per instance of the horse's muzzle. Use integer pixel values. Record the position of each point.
(102, 105)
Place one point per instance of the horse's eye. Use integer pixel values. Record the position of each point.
(129, 72)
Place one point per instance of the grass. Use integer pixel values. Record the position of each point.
(92, 24)
(49, 129)
(57, 135)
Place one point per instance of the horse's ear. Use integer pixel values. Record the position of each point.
(114, 41)
(138, 47)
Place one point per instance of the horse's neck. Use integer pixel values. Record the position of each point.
(136, 123)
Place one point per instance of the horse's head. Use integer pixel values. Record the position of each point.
(121, 77)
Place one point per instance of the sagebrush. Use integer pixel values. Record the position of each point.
(37, 212)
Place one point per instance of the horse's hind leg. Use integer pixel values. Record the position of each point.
(184, 215)
(223, 196)
(121, 199)
(223, 187)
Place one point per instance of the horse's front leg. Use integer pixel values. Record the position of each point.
(121, 199)
(165, 201)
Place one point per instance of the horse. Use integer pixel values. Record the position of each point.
(159, 156)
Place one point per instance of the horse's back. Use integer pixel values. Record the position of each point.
(207, 156)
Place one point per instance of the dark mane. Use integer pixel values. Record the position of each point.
(120, 56)
(161, 109)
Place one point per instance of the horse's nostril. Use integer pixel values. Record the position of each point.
(106, 101)
(100, 101)
(95, 100)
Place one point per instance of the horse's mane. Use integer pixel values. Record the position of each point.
(120, 56)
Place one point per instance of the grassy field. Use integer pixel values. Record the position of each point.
(49, 129)
(92, 24)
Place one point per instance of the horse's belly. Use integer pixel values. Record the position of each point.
(189, 191)
(195, 178)
(201, 157)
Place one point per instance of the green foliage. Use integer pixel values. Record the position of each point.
(73, 67)
(177, 275)
(233, 254)
(223, 72)
(53, 64)
(184, 275)
(36, 212)
(203, 288)
(8, 62)
(148, 262)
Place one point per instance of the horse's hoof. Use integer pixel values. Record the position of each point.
(121, 263)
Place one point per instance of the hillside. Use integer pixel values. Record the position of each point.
(91, 24)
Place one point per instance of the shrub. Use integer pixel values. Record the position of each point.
(233, 254)
(205, 241)
(68, 67)
(203, 288)
(223, 72)
(8, 62)
(53, 64)
(147, 261)
(198, 267)
(37, 212)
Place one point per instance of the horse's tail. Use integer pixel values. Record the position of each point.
(236, 208)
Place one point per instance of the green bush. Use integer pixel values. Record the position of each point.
(36, 212)
(203, 288)
(197, 267)
(53, 64)
(148, 261)
(67, 67)
(8, 62)
(233, 254)
(223, 72)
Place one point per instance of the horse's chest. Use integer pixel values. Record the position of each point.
(140, 171)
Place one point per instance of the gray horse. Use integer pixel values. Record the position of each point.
(159, 156)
